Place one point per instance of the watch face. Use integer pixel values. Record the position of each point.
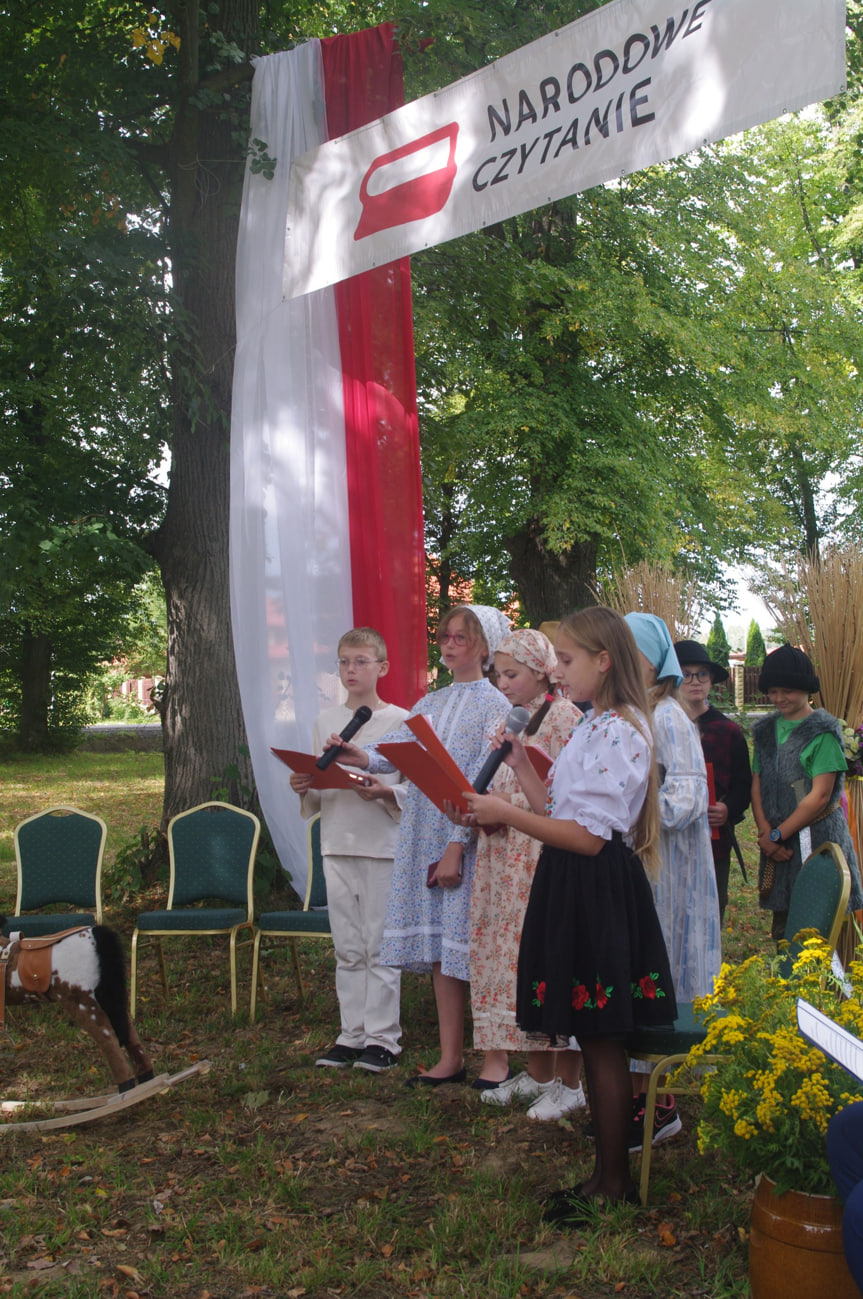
(775, 836)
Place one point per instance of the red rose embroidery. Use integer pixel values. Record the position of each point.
(601, 997)
(539, 989)
(579, 996)
(648, 987)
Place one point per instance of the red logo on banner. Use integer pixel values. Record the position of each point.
(413, 199)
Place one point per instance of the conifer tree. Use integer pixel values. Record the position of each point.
(756, 650)
(717, 643)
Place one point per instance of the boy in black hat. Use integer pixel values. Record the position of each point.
(726, 750)
(799, 772)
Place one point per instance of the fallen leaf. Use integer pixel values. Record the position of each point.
(666, 1234)
(131, 1272)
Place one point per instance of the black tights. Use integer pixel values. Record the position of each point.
(606, 1067)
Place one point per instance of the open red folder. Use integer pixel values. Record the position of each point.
(334, 777)
(432, 769)
(428, 765)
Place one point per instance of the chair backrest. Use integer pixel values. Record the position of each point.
(59, 857)
(316, 885)
(212, 855)
(819, 898)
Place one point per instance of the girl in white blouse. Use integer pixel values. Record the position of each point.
(593, 963)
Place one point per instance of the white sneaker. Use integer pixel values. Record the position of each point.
(557, 1100)
(520, 1087)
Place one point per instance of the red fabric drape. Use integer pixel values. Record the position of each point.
(363, 80)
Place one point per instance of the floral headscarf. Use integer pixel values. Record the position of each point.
(495, 626)
(532, 648)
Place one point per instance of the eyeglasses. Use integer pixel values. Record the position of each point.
(357, 663)
(457, 637)
(696, 676)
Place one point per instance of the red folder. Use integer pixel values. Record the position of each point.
(335, 777)
(711, 796)
(428, 765)
(539, 760)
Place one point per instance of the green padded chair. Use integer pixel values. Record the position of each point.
(59, 854)
(819, 900)
(312, 922)
(212, 860)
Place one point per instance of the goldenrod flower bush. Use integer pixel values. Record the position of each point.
(768, 1095)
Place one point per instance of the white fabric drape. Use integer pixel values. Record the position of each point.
(290, 559)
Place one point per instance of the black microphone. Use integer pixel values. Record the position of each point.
(360, 717)
(515, 724)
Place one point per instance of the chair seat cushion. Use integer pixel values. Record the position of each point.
(670, 1039)
(294, 922)
(53, 923)
(191, 919)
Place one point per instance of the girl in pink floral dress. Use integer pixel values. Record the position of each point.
(524, 663)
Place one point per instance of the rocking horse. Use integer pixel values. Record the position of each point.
(83, 970)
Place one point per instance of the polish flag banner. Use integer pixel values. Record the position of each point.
(326, 494)
(631, 84)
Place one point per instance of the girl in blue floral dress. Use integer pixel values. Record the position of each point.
(593, 963)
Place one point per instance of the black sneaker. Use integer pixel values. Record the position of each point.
(666, 1123)
(339, 1057)
(376, 1059)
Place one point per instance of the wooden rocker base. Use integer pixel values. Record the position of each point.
(86, 1110)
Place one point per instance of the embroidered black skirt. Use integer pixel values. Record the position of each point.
(592, 960)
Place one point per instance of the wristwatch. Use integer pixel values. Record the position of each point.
(775, 836)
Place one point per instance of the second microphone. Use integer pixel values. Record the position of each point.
(515, 724)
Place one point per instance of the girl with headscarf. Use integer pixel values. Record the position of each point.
(525, 666)
(687, 901)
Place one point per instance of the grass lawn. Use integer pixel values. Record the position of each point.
(125, 789)
(269, 1177)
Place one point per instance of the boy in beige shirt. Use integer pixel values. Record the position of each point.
(358, 835)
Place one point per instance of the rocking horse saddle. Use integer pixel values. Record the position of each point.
(30, 958)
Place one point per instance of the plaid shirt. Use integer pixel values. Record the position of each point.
(725, 746)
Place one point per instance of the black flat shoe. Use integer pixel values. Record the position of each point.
(427, 1080)
(488, 1085)
(572, 1206)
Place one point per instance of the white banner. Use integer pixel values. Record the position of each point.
(631, 84)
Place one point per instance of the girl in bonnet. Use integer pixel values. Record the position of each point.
(525, 666)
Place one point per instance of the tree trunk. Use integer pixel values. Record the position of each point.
(202, 720)
(36, 656)
(550, 585)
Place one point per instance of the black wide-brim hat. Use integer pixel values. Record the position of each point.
(689, 651)
(788, 668)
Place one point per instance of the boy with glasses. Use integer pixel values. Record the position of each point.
(725, 748)
(358, 837)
